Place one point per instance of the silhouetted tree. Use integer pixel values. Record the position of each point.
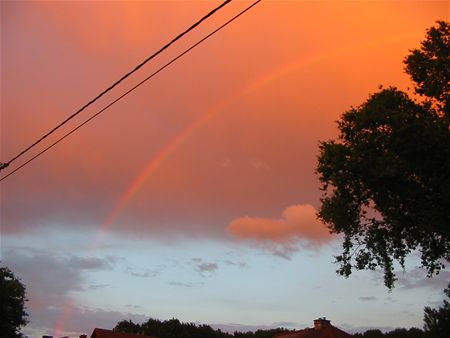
(374, 333)
(173, 328)
(437, 321)
(127, 326)
(414, 332)
(396, 333)
(12, 304)
(385, 180)
(429, 66)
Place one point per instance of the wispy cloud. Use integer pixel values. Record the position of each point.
(233, 327)
(207, 267)
(368, 298)
(147, 273)
(186, 284)
(238, 264)
(417, 278)
(259, 164)
(97, 286)
(361, 329)
(91, 263)
(204, 268)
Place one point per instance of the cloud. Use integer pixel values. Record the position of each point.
(352, 329)
(91, 263)
(416, 278)
(186, 285)
(97, 286)
(286, 324)
(80, 181)
(80, 320)
(233, 327)
(239, 264)
(259, 164)
(207, 267)
(49, 278)
(204, 268)
(226, 162)
(367, 298)
(147, 273)
(298, 222)
(298, 225)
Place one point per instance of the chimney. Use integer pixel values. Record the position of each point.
(321, 323)
(83, 336)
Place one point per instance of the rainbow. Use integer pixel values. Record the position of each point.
(252, 86)
(157, 160)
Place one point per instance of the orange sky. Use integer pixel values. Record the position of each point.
(280, 77)
(229, 133)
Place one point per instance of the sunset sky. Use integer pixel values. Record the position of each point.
(195, 196)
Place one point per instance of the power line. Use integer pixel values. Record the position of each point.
(179, 36)
(132, 89)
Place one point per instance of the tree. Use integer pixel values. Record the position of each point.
(385, 180)
(437, 321)
(12, 304)
(127, 326)
(396, 333)
(429, 67)
(173, 328)
(374, 333)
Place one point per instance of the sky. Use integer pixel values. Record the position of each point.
(195, 196)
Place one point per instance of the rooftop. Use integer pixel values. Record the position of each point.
(103, 333)
(322, 329)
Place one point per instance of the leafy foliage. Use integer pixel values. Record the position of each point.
(12, 304)
(397, 333)
(437, 321)
(429, 66)
(173, 328)
(127, 326)
(385, 180)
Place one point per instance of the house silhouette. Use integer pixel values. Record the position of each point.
(322, 329)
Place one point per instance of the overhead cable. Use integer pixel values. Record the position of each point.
(179, 36)
(132, 89)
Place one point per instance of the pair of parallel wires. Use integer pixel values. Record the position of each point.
(20, 154)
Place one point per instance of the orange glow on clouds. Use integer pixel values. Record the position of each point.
(298, 223)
